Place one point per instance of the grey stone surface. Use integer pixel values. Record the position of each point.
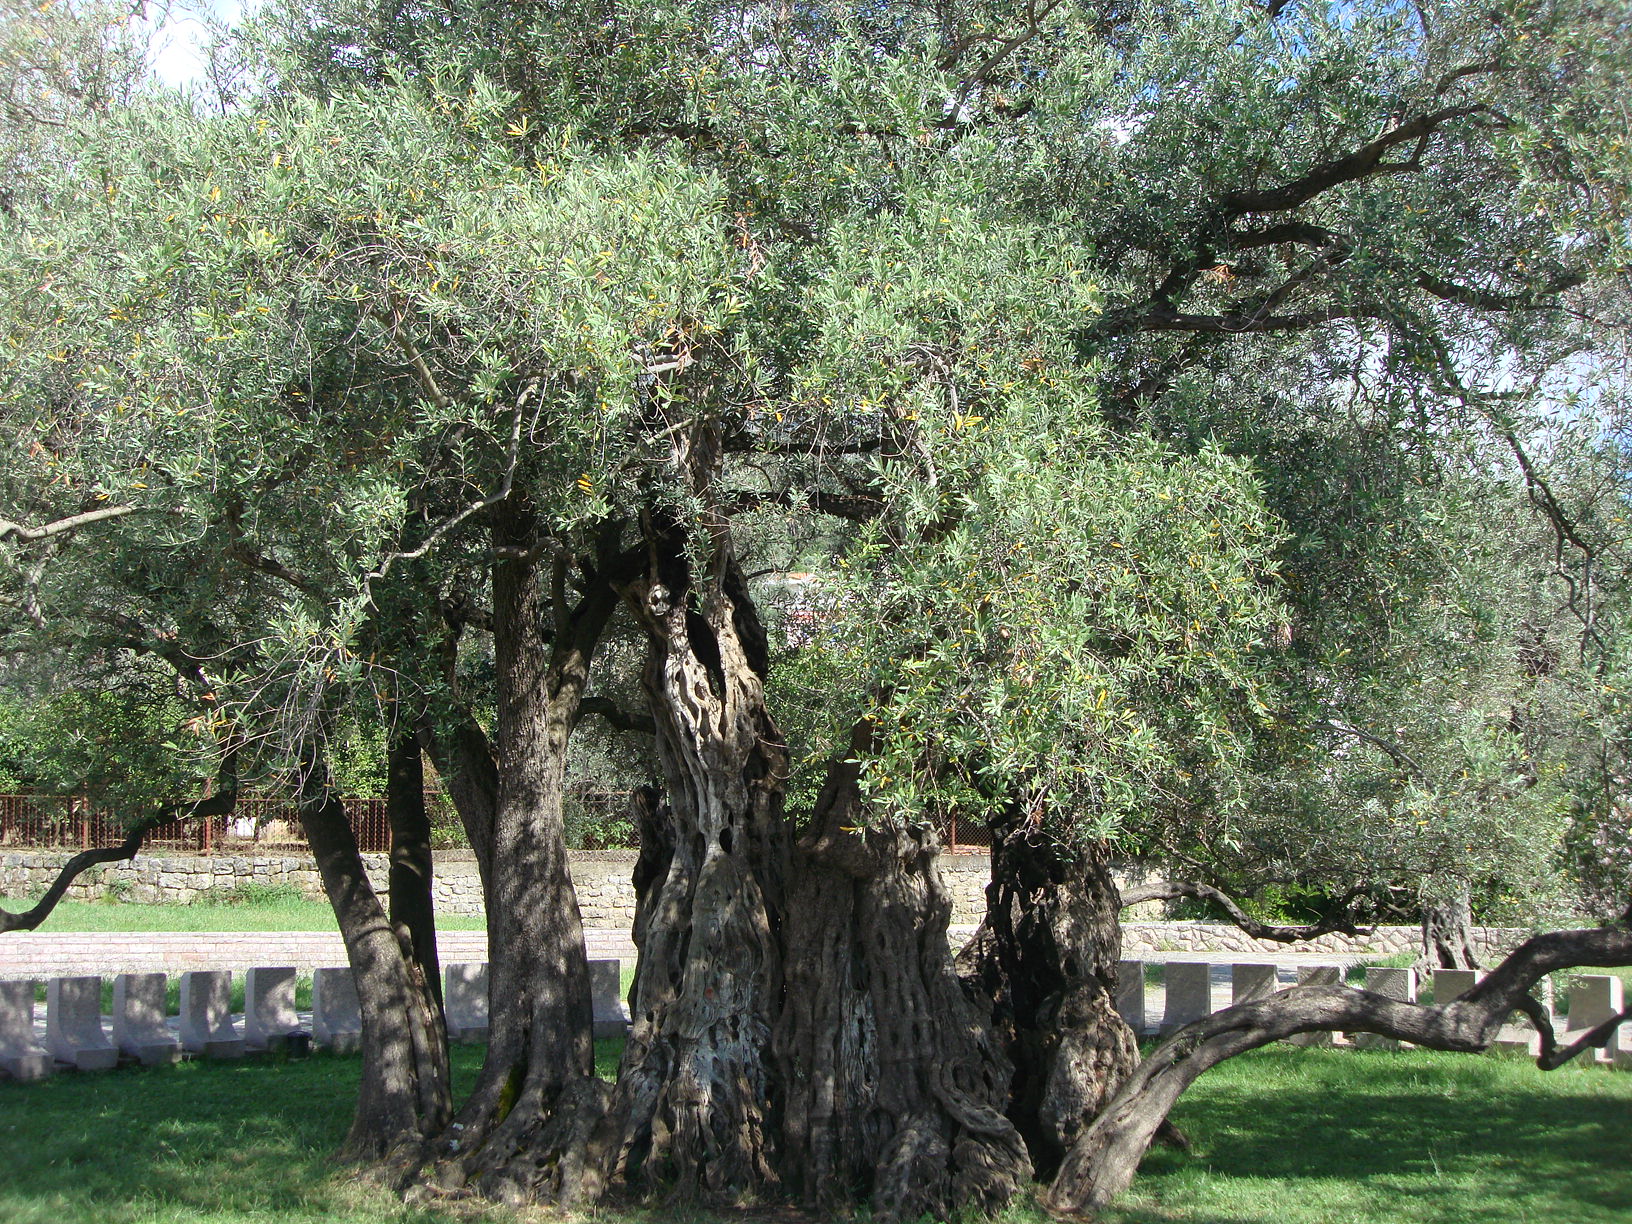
(21, 1056)
(73, 1024)
(337, 1017)
(464, 995)
(139, 1012)
(1594, 998)
(1452, 984)
(269, 1007)
(1130, 994)
(206, 1014)
(1249, 983)
(1188, 990)
(611, 1013)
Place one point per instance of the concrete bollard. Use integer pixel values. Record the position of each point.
(1397, 984)
(1452, 984)
(73, 1024)
(1189, 989)
(269, 1008)
(609, 1012)
(139, 1027)
(1249, 983)
(1130, 994)
(1594, 998)
(464, 998)
(206, 1014)
(337, 1016)
(1316, 975)
(21, 1057)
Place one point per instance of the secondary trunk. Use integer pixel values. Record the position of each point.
(1447, 931)
(697, 1104)
(1047, 957)
(521, 1134)
(413, 907)
(895, 1089)
(404, 1094)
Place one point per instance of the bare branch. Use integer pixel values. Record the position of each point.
(30, 919)
(16, 531)
(1172, 890)
(616, 716)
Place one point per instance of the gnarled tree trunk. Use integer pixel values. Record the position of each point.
(1447, 931)
(1047, 956)
(895, 1090)
(696, 1107)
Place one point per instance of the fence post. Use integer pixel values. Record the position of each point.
(84, 821)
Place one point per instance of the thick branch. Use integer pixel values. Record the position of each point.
(1172, 890)
(1484, 299)
(1363, 162)
(16, 531)
(1102, 1162)
(621, 719)
(218, 804)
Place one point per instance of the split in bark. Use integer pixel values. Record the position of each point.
(1102, 1162)
(1047, 957)
(697, 1104)
(895, 1087)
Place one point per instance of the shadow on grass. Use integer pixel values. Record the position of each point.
(1282, 1137)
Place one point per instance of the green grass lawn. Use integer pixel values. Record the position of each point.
(1282, 1136)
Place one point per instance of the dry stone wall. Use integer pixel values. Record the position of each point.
(607, 897)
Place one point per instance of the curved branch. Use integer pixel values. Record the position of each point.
(621, 719)
(1102, 1162)
(218, 804)
(26, 535)
(1172, 890)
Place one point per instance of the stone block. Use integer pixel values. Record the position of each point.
(206, 1014)
(1316, 975)
(1594, 998)
(1249, 983)
(1452, 984)
(337, 1016)
(464, 997)
(1189, 993)
(1130, 994)
(1397, 984)
(609, 1011)
(269, 1008)
(73, 1024)
(139, 1027)
(21, 1056)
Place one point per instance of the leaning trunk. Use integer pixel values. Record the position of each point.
(404, 1094)
(895, 1089)
(697, 1104)
(1047, 957)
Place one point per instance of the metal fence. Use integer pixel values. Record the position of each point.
(72, 822)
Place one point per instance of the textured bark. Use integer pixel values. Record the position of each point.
(521, 1135)
(404, 1093)
(1447, 933)
(1047, 956)
(1102, 1162)
(696, 1107)
(413, 909)
(895, 1089)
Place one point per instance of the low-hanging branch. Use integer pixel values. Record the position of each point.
(1172, 890)
(1102, 1162)
(219, 804)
